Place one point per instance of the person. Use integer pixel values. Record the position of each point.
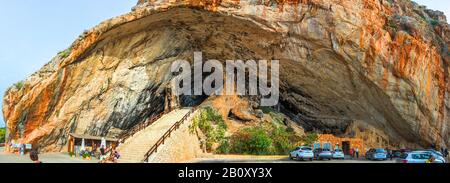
(357, 153)
(446, 154)
(116, 155)
(391, 154)
(34, 156)
(352, 153)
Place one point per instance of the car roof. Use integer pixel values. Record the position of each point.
(427, 151)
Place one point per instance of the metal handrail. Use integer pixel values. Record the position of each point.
(139, 127)
(166, 135)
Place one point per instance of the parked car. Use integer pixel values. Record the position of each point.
(302, 153)
(438, 157)
(414, 157)
(396, 153)
(376, 154)
(338, 154)
(325, 154)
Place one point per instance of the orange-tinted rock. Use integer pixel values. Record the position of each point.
(381, 63)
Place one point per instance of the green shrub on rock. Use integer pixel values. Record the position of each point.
(2, 135)
(211, 124)
(252, 140)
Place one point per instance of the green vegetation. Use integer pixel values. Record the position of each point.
(2, 135)
(19, 85)
(260, 140)
(86, 155)
(434, 22)
(309, 138)
(270, 138)
(267, 138)
(392, 23)
(212, 125)
(252, 140)
(65, 53)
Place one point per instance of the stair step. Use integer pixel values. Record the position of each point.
(136, 146)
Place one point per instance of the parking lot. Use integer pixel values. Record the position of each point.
(274, 159)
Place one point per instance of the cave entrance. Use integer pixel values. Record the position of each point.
(346, 147)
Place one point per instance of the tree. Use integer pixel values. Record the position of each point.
(2, 135)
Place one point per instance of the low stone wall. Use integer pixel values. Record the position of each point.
(181, 146)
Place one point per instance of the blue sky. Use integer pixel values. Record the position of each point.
(32, 31)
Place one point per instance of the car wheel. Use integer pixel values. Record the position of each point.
(297, 157)
(310, 159)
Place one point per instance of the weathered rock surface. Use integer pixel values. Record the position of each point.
(382, 63)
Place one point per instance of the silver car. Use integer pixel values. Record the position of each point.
(302, 153)
(376, 154)
(415, 157)
(325, 154)
(438, 157)
(338, 154)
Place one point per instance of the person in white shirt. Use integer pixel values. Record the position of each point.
(357, 153)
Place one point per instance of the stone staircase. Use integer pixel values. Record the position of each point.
(135, 147)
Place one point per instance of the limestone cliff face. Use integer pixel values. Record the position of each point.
(346, 66)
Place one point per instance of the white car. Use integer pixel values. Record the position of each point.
(438, 158)
(302, 153)
(338, 154)
(415, 157)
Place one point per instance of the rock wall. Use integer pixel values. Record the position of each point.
(380, 62)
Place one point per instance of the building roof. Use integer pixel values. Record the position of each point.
(90, 137)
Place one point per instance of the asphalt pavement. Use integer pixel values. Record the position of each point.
(277, 159)
(45, 158)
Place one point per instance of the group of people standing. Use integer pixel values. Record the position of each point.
(354, 153)
(113, 157)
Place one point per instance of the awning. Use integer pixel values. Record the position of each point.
(90, 137)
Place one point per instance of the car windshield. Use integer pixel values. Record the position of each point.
(421, 156)
(380, 151)
(326, 150)
(306, 148)
(404, 155)
(337, 150)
